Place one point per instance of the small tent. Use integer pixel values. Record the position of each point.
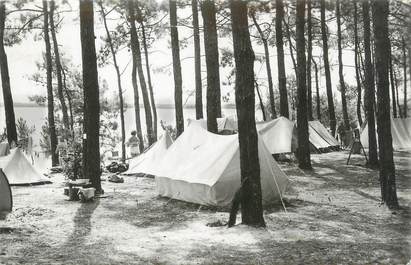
(19, 170)
(223, 124)
(400, 131)
(6, 200)
(320, 138)
(204, 168)
(147, 161)
(279, 135)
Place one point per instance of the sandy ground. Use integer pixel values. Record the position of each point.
(333, 216)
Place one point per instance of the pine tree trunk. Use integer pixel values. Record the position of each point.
(91, 148)
(50, 96)
(144, 92)
(317, 92)
(197, 62)
(120, 90)
(404, 63)
(5, 81)
(133, 37)
(282, 79)
(309, 59)
(212, 63)
(304, 160)
(396, 92)
(341, 69)
(369, 93)
(330, 99)
(290, 45)
(393, 98)
(178, 82)
(69, 101)
(357, 67)
(150, 86)
(251, 201)
(60, 93)
(268, 66)
(380, 10)
(260, 100)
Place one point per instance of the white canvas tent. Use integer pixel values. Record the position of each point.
(204, 168)
(401, 134)
(320, 138)
(148, 161)
(6, 200)
(279, 135)
(19, 170)
(226, 123)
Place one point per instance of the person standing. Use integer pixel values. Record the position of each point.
(133, 143)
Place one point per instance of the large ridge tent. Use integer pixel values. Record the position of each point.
(6, 200)
(19, 171)
(147, 161)
(320, 138)
(279, 135)
(401, 134)
(226, 123)
(204, 168)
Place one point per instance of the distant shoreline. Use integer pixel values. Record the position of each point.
(158, 106)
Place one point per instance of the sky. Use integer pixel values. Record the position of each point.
(22, 60)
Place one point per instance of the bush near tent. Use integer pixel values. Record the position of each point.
(6, 199)
(19, 170)
(204, 168)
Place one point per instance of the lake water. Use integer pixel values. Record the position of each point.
(36, 116)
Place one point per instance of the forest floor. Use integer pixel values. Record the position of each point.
(334, 216)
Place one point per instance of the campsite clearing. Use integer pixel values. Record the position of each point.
(333, 216)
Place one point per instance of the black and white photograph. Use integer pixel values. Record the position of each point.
(182, 132)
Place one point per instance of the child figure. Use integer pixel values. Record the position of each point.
(133, 143)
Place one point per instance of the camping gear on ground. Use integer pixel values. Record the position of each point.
(148, 160)
(79, 189)
(204, 168)
(115, 179)
(19, 170)
(401, 134)
(115, 167)
(56, 169)
(6, 199)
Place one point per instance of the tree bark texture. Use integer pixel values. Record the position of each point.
(119, 87)
(178, 82)
(60, 93)
(197, 61)
(91, 144)
(330, 99)
(380, 12)
(212, 64)
(5, 81)
(251, 201)
(304, 160)
(369, 88)
(282, 79)
(50, 96)
(133, 37)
